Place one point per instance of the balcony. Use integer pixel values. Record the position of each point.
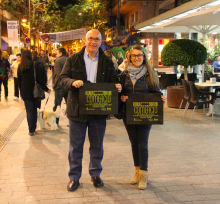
(115, 34)
(127, 5)
(170, 4)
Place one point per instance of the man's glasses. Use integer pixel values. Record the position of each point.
(95, 39)
(139, 56)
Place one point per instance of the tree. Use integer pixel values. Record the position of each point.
(183, 52)
(44, 14)
(89, 14)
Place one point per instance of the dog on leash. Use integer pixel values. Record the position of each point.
(50, 116)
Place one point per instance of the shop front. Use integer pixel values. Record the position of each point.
(154, 46)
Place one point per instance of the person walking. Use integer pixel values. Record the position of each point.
(26, 83)
(139, 77)
(90, 65)
(60, 92)
(120, 58)
(4, 69)
(14, 67)
(45, 60)
(52, 61)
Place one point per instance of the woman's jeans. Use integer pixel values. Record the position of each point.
(31, 110)
(138, 135)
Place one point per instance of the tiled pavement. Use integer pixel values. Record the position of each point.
(184, 163)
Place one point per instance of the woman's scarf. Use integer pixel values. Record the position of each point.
(136, 73)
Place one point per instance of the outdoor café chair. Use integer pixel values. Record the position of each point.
(191, 77)
(206, 76)
(167, 80)
(199, 98)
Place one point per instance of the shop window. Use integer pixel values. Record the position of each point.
(148, 47)
(162, 43)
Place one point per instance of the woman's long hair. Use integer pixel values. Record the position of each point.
(152, 77)
(26, 59)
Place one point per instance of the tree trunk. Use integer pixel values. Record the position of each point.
(185, 73)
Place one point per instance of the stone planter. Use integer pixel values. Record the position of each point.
(174, 97)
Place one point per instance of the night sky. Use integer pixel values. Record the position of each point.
(66, 2)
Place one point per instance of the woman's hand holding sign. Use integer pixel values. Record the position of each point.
(124, 98)
(77, 83)
(164, 99)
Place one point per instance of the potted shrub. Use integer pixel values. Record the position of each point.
(183, 52)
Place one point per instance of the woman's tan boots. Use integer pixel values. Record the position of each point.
(143, 179)
(135, 179)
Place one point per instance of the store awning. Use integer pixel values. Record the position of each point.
(203, 20)
(4, 43)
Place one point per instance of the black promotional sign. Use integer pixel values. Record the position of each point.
(144, 109)
(98, 99)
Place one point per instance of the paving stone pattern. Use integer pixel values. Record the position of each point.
(184, 163)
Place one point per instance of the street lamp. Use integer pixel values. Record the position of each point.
(30, 22)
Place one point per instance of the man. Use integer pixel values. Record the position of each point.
(216, 63)
(60, 92)
(14, 66)
(90, 65)
(4, 69)
(44, 59)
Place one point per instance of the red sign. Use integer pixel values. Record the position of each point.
(46, 38)
(27, 40)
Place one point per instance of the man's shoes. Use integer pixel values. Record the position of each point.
(73, 185)
(16, 98)
(6, 98)
(31, 133)
(97, 182)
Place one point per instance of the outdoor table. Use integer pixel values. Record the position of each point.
(204, 84)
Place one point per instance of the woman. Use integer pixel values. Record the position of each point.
(124, 64)
(26, 83)
(120, 58)
(109, 54)
(52, 61)
(14, 66)
(139, 77)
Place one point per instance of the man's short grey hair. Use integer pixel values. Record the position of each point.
(93, 30)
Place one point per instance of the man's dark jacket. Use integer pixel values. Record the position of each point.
(74, 69)
(58, 66)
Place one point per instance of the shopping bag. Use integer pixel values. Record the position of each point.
(144, 109)
(98, 99)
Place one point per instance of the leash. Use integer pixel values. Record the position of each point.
(45, 106)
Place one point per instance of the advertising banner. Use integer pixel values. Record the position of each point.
(63, 36)
(98, 99)
(144, 109)
(12, 28)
